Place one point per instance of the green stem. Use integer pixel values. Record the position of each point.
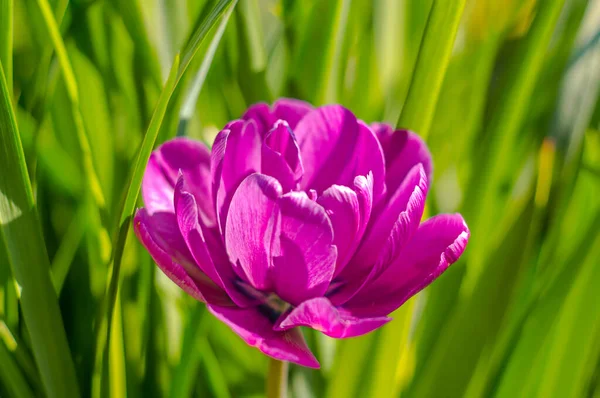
(277, 379)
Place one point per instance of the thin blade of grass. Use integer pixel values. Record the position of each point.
(10, 375)
(189, 103)
(27, 254)
(503, 131)
(432, 62)
(133, 187)
(73, 92)
(6, 40)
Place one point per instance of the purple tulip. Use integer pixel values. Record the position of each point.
(297, 217)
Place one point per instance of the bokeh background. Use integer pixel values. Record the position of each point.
(506, 93)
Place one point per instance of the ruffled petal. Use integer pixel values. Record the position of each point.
(336, 148)
(305, 263)
(403, 149)
(235, 155)
(163, 168)
(160, 235)
(256, 330)
(205, 246)
(349, 211)
(321, 315)
(388, 233)
(252, 229)
(438, 243)
(281, 156)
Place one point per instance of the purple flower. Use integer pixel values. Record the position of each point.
(297, 217)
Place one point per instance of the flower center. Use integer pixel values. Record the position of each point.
(268, 303)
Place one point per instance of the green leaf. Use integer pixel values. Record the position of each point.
(73, 92)
(432, 61)
(11, 376)
(6, 40)
(27, 255)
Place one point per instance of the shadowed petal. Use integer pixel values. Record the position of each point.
(163, 168)
(321, 315)
(252, 228)
(235, 155)
(403, 150)
(256, 330)
(306, 260)
(438, 243)
(160, 235)
(336, 148)
(281, 156)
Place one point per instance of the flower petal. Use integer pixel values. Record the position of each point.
(291, 110)
(321, 315)
(281, 156)
(235, 155)
(252, 228)
(391, 229)
(306, 260)
(288, 109)
(349, 211)
(256, 330)
(161, 237)
(205, 245)
(403, 150)
(162, 170)
(336, 148)
(438, 243)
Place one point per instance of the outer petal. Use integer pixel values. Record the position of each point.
(256, 330)
(281, 156)
(391, 229)
(161, 237)
(336, 148)
(206, 246)
(403, 149)
(235, 155)
(306, 261)
(438, 243)
(321, 315)
(252, 228)
(349, 211)
(162, 170)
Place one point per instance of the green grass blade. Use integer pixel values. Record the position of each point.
(189, 103)
(73, 92)
(6, 40)
(505, 126)
(134, 184)
(27, 253)
(432, 62)
(10, 375)
(103, 334)
(330, 78)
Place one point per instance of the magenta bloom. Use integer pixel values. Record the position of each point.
(297, 217)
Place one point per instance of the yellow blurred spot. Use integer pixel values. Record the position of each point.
(545, 167)
(7, 337)
(406, 366)
(492, 17)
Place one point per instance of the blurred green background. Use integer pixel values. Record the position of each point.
(506, 93)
